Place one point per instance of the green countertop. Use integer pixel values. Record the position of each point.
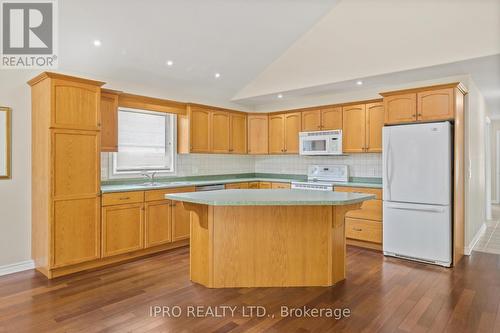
(135, 185)
(279, 197)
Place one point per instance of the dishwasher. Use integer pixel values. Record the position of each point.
(213, 187)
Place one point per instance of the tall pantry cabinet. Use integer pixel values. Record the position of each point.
(65, 171)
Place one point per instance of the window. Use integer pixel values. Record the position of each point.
(145, 142)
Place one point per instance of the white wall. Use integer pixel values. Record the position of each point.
(475, 159)
(15, 201)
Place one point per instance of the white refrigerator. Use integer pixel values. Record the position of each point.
(417, 210)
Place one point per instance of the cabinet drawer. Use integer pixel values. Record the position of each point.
(253, 185)
(264, 185)
(236, 186)
(376, 191)
(280, 185)
(156, 195)
(364, 230)
(119, 198)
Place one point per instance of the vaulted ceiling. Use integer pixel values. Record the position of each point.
(265, 47)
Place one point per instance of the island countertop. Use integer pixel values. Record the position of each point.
(274, 197)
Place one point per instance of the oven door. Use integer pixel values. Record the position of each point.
(313, 145)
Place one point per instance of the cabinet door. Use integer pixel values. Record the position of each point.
(276, 134)
(200, 130)
(220, 132)
(109, 122)
(122, 229)
(238, 134)
(76, 105)
(311, 120)
(280, 185)
(292, 130)
(400, 108)
(354, 128)
(258, 134)
(331, 118)
(435, 105)
(180, 222)
(374, 124)
(158, 223)
(75, 163)
(76, 231)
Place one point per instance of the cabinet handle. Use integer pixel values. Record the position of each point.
(357, 229)
(124, 198)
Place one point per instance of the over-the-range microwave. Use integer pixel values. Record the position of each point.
(321, 143)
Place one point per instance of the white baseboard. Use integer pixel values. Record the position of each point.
(17, 267)
(468, 249)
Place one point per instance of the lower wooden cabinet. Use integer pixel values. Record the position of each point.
(181, 220)
(265, 185)
(280, 185)
(122, 229)
(158, 222)
(236, 186)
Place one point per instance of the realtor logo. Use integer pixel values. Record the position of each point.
(29, 34)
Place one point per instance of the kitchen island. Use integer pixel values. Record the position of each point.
(268, 238)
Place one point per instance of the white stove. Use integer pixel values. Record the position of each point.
(322, 177)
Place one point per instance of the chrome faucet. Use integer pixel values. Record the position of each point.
(150, 177)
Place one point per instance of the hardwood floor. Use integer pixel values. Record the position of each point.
(383, 294)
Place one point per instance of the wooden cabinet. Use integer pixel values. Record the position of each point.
(280, 185)
(276, 134)
(220, 132)
(258, 134)
(311, 120)
(158, 223)
(331, 118)
(180, 222)
(362, 127)
(238, 130)
(435, 104)
(374, 125)
(65, 171)
(354, 128)
(109, 121)
(200, 129)
(76, 231)
(253, 185)
(122, 229)
(322, 119)
(236, 186)
(400, 108)
(265, 185)
(284, 133)
(363, 226)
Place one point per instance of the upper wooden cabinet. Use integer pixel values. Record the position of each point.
(400, 108)
(362, 128)
(435, 104)
(109, 121)
(205, 130)
(422, 104)
(311, 120)
(221, 127)
(258, 134)
(354, 128)
(200, 121)
(322, 119)
(284, 132)
(374, 125)
(331, 118)
(238, 133)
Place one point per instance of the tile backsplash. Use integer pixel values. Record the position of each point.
(360, 165)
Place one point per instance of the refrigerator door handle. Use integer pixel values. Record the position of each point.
(387, 173)
(432, 210)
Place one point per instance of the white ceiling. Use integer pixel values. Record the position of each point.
(264, 47)
(237, 38)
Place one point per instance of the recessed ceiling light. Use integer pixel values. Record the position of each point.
(359, 83)
(217, 75)
(97, 43)
(280, 95)
(169, 63)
